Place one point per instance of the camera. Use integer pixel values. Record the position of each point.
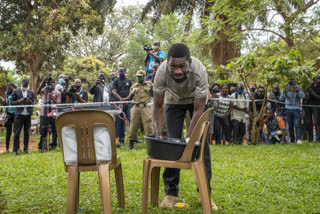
(147, 47)
(74, 88)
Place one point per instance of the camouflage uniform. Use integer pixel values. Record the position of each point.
(141, 112)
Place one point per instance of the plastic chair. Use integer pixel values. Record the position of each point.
(151, 168)
(83, 122)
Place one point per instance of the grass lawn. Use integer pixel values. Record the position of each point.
(252, 179)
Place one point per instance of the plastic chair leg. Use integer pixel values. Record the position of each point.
(145, 185)
(71, 192)
(120, 186)
(105, 188)
(155, 174)
(201, 177)
(77, 192)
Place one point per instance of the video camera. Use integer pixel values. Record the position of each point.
(147, 47)
(74, 88)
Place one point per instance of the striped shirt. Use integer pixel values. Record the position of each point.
(223, 106)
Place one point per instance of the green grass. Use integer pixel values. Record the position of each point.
(253, 179)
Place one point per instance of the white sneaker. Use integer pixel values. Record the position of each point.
(299, 142)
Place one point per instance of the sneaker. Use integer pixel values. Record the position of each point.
(27, 151)
(168, 201)
(299, 142)
(15, 153)
(213, 205)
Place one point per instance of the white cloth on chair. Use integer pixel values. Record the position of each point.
(102, 143)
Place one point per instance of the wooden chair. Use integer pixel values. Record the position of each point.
(84, 121)
(151, 168)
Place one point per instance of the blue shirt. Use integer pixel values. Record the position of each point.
(152, 60)
(292, 99)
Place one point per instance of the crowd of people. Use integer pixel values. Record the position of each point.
(290, 116)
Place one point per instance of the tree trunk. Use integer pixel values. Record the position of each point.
(255, 133)
(35, 63)
(224, 50)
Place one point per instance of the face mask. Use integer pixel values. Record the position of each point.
(113, 78)
(62, 81)
(24, 89)
(240, 91)
(224, 94)
(155, 47)
(121, 74)
(139, 79)
(185, 76)
(253, 89)
(9, 92)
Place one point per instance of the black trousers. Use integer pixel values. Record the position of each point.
(44, 124)
(309, 112)
(223, 128)
(9, 123)
(19, 121)
(239, 130)
(175, 115)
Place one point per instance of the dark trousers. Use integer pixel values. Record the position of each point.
(294, 121)
(175, 115)
(223, 129)
(19, 121)
(9, 123)
(121, 124)
(308, 121)
(44, 124)
(239, 129)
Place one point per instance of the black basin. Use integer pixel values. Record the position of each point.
(169, 148)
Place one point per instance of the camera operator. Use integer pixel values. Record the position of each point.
(22, 96)
(100, 89)
(49, 95)
(292, 95)
(62, 86)
(154, 54)
(10, 112)
(76, 94)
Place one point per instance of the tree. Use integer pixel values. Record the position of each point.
(86, 69)
(219, 45)
(285, 19)
(109, 46)
(34, 33)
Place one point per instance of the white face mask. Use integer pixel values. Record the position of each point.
(155, 47)
(24, 89)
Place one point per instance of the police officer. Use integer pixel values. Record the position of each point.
(141, 112)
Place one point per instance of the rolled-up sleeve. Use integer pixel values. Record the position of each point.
(160, 82)
(202, 85)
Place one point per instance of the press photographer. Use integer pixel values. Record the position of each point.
(154, 54)
(100, 89)
(292, 94)
(75, 94)
(49, 96)
(62, 86)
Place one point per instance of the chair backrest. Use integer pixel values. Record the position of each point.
(83, 122)
(200, 130)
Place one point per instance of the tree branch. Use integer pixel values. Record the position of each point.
(266, 30)
(302, 10)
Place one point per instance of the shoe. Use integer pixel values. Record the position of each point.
(27, 151)
(130, 145)
(7, 151)
(52, 147)
(213, 205)
(118, 145)
(15, 153)
(299, 142)
(169, 200)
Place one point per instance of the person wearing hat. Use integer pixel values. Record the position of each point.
(141, 112)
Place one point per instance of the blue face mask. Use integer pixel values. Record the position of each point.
(62, 81)
(239, 91)
(113, 78)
